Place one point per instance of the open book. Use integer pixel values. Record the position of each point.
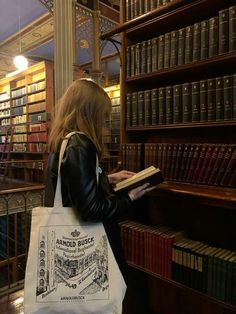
(151, 174)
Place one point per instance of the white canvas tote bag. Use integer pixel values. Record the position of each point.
(71, 267)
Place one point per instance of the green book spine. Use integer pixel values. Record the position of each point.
(137, 69)
(169, 105)
(162, 105)
(195, 101)
(154, 106)
(177, 103)
(140, 108)
(134, 110)
(203, 101)
(204, 39)
(154, 53)
(196, 41)
(128, 63)
(173, 48)
(160, 52)
(189, 44)
(229, 278)
(181, 46)
(149, 56)
(187, 103)
(147, 107)
(167, 37)
(219, 99)
(213, 36)
(228, 97)
(144, 57)
(132, 60)
(128, 110)
(232, 28)
(223, 31)
(211, 99)
(234, 96)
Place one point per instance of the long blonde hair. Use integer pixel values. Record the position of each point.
(84, 107)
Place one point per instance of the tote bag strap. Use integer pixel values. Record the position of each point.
(58, 195)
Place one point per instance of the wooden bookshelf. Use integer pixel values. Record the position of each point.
(203, 211)
(26, 107)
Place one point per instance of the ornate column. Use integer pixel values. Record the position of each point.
(64, 50)
(96, 58)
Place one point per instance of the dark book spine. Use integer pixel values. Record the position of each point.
(229, 169)
(203, 101)
(137, 69)
(223, 166)
(199, 163)
(194, 161)
(219, 99)
(181, 46)
(153, 4)
(147, 6)
(211, 164)
(147, 107)
(211, 99)
(232, 28)
(149, 56)
(154, 53)
(195, 101)
(183, 162)
(169, 105)
(128, 62)
(167, 37)
(178, 161)
(128, 110)
(187, 102)
(232, 180)
(123, 154)
(160, 52)
(162, 105)
(173, 48)
(134, 108)
(217, 164)
(223, 31)
(164, 155)
(204, 39)
(228, 97)
(168, 160)
(132, 60)
(136, 8)
(143, 57)
(234, 96)
(141, 7)
(177, 103)
(205, 163)
(196, 41)
(140, 108)
(188, 161)
(213, 36)
(173, 161)
(132, 9)
(189, 44)
(154, 106)
(159, 156)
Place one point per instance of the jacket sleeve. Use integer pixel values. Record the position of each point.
(79, 182)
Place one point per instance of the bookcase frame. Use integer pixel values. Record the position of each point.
(205, 213)
(29, 163)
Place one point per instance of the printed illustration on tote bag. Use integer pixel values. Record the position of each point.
(72, 261)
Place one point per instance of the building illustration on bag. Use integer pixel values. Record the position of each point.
(76, 261)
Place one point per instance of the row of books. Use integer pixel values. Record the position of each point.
(19, 138)
(37, 117)
(135, 8)
(19, 101)
(201, 101)
(4, 96)
(199, 163)
(5, 122)
(25, 147)
(19, 119)
(193, 43)
(5, 113)
(18, 92)
(18, 111)
(4, 105)
(36, 87)
(37, 137)
(168, 253)
(40, 96)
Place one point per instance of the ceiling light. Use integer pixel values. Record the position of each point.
(21, 62)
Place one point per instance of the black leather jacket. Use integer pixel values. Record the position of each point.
(80, 190)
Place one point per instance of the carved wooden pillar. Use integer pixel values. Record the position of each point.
(65, 49)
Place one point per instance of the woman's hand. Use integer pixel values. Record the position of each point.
(117, 177)
(141, 190)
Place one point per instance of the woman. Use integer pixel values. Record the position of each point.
(85, 107)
